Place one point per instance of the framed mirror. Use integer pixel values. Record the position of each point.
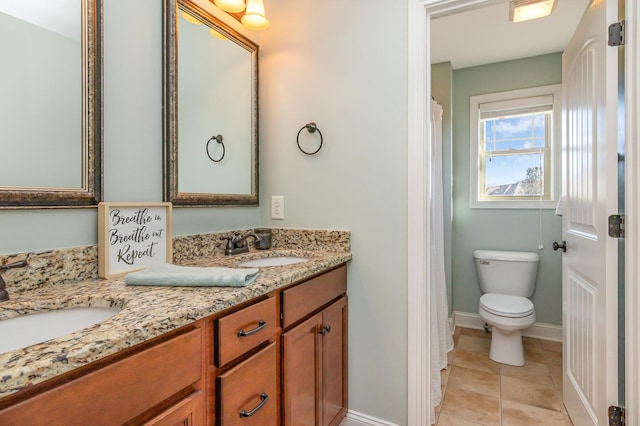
(210, 110)
(51, 103)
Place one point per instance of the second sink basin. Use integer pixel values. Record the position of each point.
(274, 261)
(27, 330)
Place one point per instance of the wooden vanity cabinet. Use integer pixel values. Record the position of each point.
(244, 377)
(314, 351)
(280, 360)
(292, 373)
(156, 383)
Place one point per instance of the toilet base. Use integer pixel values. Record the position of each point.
(506, 347)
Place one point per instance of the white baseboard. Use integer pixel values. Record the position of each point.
(538, 330)
(354, 418)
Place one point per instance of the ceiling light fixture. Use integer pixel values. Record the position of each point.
(232, 6)
(525, 10)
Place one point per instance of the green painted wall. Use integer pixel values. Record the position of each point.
(494, 228)
(350, 77)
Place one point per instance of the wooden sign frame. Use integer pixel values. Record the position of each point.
(132, 236)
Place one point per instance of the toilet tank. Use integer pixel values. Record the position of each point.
(506, 272)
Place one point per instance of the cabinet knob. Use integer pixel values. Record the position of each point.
(324, 330)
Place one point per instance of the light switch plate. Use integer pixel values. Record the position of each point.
(277, 207)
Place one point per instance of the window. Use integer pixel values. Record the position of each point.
(515, 148)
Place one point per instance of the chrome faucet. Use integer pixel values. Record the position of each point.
(4, 294)
(237, 243)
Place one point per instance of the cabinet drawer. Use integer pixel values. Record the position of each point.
(249, 388)
(301, 300)
(241, 331)
(119, 392)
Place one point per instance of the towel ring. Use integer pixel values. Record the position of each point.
(311, 128)
(219, 140)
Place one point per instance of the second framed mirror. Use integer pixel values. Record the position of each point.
(210, 110)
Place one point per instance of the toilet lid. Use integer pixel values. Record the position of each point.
(505, 305)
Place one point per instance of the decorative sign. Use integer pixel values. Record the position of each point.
(132, 236)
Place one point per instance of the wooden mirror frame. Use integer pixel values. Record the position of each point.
(170, 98)
(90, 194)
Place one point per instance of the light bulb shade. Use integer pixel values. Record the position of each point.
(254, 17)
(216, 34)
(233, 6)
(525, 10)
(189, 18)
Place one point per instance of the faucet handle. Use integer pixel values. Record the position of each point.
(18, 264)
(4, 294)
(229, 239)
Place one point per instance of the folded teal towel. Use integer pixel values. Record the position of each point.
(173, 275)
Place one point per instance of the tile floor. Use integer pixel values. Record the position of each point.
(479, 391)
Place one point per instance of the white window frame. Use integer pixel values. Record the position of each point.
(505, 99)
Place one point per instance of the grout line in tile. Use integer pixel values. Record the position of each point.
(547, 364)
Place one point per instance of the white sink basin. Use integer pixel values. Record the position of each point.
(274, 261)
(27, 330)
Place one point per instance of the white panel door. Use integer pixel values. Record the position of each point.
(590, 262)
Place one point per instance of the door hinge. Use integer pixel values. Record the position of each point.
(616, 226)
(616, 416)
(616, 34)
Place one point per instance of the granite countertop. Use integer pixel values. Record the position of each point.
(147, 312)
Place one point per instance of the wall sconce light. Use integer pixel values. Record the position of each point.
(217, 34)
(232, 6)
(192, 19)
(525, 10)
(187, 17)
(254, 17)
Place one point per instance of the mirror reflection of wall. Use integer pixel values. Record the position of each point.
(41, 102)
(50, 103)
(214, 97)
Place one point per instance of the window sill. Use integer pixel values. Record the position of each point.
(514, 204)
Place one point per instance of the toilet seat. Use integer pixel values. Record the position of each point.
(504, 305)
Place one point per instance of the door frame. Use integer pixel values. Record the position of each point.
(419, 14)
(632, 213)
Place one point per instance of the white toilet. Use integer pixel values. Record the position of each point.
(507, 279)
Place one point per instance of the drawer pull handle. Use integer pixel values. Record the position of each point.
(324, 330)
(261, 324)
(245, 413)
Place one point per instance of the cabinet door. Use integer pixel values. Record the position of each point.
(334, 363)
(188, 412)
(300, 378)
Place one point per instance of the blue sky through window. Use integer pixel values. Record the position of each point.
(512, 169)
(504, 137)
